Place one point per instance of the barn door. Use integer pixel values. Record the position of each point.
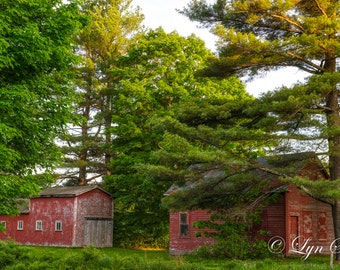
(294, 232)
(98, 232)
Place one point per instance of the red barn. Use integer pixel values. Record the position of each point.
(63, 216)
(300, 220)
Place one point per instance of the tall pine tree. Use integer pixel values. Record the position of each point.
(86, 143)
(262, 35)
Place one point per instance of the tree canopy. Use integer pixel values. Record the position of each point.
(157, 73)
(262, 35)
(36, 90)
(257, 36)
(113, 26)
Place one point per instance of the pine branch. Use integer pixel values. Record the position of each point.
(310, 63)
(320, 8)
(288, 20)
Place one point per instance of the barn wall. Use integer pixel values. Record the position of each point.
(273, 219)
(94, 205)
(292, 214)
(48, 211)
(308, 218)
(92, 210)
(12, 231)
(180, 245)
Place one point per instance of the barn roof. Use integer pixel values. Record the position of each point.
(295, 162)
(278, 164)
(71, 191)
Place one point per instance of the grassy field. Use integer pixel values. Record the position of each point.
(18, 257)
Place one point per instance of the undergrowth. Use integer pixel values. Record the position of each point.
(18, 257)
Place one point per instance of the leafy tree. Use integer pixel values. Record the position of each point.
(257, 36)
(155, 75)
(36, 91)
(112, 27)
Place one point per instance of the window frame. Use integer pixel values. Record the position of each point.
(20, 225)
(38, 225)
(184, 224)
(58, 226)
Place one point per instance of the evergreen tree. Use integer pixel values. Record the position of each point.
(113, 25)
(157, 73)
(36, 91)
(262, 35)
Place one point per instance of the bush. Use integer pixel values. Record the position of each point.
(234, 237)
(10, 252)
(234, 247)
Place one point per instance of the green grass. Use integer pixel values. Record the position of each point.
(17, 257)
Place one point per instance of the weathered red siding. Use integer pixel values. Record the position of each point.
(273, 219)
(91, 205)
(314, 220)
(292, 214)
(72, 211)
(180, 245)
(48, 211)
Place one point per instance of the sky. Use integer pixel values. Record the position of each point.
(163, 13)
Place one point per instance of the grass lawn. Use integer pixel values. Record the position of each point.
(115, 258)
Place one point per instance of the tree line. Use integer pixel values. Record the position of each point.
(89, 92)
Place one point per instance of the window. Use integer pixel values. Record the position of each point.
(20, 225)
(58, 226)
(3, 224)
(183, 224)
(38, 225)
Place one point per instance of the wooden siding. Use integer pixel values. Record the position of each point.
(93, 205)
(273, 218)
(72, 212)
(314, 219)
(180, 245)
(98, 232)
(293, 214)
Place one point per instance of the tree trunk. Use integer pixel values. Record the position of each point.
(333, 124)
(334, 167)
(108, 126)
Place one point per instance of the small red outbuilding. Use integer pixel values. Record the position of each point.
(296, 218)
(63, 216)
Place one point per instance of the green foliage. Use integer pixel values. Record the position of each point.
(234, 236)
(10, 253)
(36, 90)
(112, 26)
(156, 73)
(327, 190)
(234, 247)
(262, 35)
(122, 259)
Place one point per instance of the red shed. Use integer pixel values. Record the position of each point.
(297, 218)
(64, 216)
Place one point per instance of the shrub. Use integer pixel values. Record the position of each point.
(10, 252)
(234, 247)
